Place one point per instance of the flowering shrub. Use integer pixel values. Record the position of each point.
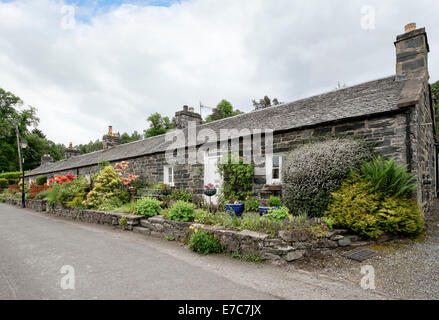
(126, 178)
(106, 188)
(313, 170)
(252, 205)
(35, 189)
(40, 180)
(66, 193)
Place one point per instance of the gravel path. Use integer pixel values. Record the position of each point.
(404, 269)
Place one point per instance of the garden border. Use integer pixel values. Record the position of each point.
(290, 246)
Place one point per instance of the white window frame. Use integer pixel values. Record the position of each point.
(166, 177)
(269, 169)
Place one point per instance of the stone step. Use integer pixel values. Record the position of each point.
(142, 230)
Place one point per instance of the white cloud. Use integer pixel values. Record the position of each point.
(130, 61)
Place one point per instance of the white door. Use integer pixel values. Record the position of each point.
(211, 174)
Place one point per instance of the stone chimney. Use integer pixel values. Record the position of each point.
(71, 152)
(412, 53)
(182, 118)
(110, 140)
(46, 159)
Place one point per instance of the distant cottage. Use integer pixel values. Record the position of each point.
(397, 113)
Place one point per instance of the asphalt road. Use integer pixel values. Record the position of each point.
(112, 264)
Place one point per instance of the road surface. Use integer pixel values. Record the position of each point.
(112, 264)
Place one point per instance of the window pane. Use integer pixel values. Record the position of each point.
(275, 162)
(275, 173)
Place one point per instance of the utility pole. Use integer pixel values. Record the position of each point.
(23, 205)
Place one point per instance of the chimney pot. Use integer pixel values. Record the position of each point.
(191, 109)
(185, 108)
(110, 130)
(70, 145)
(410, 27)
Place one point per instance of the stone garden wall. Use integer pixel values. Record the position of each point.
(291, 244)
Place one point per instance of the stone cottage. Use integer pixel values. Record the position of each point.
(396, 113)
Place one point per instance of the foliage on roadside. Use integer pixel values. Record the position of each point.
(203, 242)
(106, 189)
(369, 213)
(182, 211)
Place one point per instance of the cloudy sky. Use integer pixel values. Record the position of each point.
(89, 64)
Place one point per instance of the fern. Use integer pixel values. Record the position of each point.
(387, 177)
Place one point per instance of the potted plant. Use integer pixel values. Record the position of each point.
(235, 206)
(272, 203)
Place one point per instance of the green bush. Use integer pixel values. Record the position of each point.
(124, 197)
(180, 195)
(182, 211)
(205, 217)
(148, 207)
(11, 175)
(274, 201)
(277, 214)
(129, 207)
(237, 177)
(40, 180)
(356, 206)
(251, 205)
(106, 189)
(204, 242)
(70, 194)
(4, 183)
(388, 178)
(313, 170)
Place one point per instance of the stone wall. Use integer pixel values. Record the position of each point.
(291, 244)
(424, 150)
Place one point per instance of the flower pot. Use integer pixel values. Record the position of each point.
(133, 192)
(264, 210)
(209, 192)
(237, 208)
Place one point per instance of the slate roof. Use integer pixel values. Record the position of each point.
(364, 99)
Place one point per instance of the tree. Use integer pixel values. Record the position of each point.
(265, 103)
(224, 109)
(126, 138)
(435, 91)
(10, 115)
(90, 147)
(158, 125)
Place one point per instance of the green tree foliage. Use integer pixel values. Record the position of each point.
(224, 109)
(12, 112)
(158, 125)
(90, 147)
(435, 91)
(265, 103)
(126, 138)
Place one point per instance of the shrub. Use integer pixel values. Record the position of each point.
(358, 207)
(251, 205)
(11, 175)
(237, 177)
(180, 195)
(182, 211)
(204, 217)
(272, 202)
(204, 242)
(4, 183)
(148, 207)
(106, 188)
(129, 207)
(70, 194)
(40, 180)
(277, 214)
(388, 178)
(313, 170)
(124, 197)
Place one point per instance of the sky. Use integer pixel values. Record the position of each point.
(88, 64)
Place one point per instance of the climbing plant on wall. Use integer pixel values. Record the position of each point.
(237, 177)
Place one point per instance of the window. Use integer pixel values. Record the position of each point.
(168, 175)
(273, 168)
